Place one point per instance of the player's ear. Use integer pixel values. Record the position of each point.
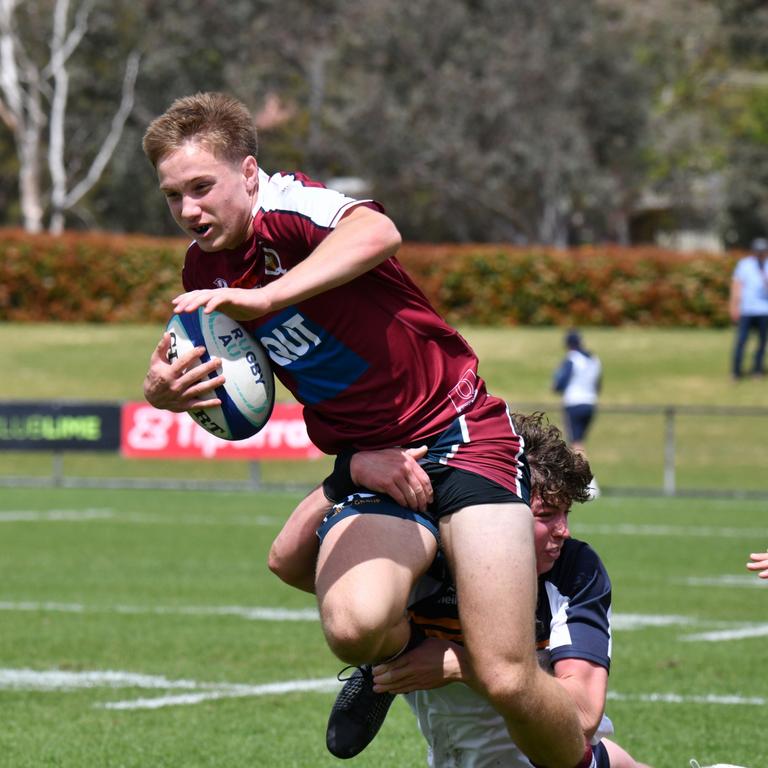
(250, 169)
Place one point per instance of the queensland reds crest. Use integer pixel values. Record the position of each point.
(272, 265)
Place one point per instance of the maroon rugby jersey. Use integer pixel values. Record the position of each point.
(371, 361)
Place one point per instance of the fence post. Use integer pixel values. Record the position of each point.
(57, 469)
(255, 472)
(670, 485)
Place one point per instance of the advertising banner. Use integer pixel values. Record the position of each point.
(51, 426)
(151, 433)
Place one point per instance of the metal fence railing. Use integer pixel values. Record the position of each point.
(669, 450)
(676, 450)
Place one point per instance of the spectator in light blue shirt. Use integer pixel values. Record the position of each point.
(749, 307)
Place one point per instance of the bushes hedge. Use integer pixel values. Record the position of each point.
(88, 277)
(119, 278)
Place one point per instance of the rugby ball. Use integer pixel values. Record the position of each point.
(248, 394)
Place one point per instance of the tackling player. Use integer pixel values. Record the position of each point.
(313, 275)
(573, 634)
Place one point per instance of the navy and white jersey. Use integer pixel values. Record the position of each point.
(573, 621)
(579, 378)
(573, 612)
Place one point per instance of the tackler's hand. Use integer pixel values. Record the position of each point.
(759, 564)
(431, 664)
(396, 472)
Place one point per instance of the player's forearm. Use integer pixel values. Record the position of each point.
(293, 554)
(361, 241)
(589, 701)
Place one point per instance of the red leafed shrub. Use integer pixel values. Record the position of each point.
(122, 278)
(595, 285)
(88, 277)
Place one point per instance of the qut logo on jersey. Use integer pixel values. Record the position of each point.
(320, 365)
(290, 341)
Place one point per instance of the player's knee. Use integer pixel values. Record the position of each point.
(356, 628)
(352, 641)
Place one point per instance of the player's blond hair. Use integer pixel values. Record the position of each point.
(219, 122)
(559, 475)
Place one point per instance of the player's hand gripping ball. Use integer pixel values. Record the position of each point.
(248, 394)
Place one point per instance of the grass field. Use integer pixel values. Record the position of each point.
(646, 367)
(642, 365)
(143, 630)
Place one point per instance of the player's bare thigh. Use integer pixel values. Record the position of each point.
(491, 554)
(366, 568)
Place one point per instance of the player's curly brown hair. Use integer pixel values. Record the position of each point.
(558, 474)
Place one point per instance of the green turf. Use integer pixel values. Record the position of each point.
(644, 367)
(128, 589)
(130, 581)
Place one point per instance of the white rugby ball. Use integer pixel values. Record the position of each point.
(248, 394)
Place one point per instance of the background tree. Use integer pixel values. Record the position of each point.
(497, 117)
(533, 121)
(745, 37)
(38, 41)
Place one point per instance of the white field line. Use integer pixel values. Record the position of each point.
(627, 622)
(54, 515)
(63, 680)
(196, 692)
(59, 680)
(633, 621)
(128, 518)
(251, 613)
(740, 633)
(212, 519)
(327, 685)
(750, 581)
(676, 698)
(726, 630)
(688, 532)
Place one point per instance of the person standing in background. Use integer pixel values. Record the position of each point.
(578, 379)
(748, 306)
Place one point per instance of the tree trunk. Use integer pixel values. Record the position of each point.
(28, 151)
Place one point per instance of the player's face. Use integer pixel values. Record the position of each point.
(211, 199)
(550, 530)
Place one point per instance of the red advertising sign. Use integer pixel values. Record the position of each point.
(147, 432)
